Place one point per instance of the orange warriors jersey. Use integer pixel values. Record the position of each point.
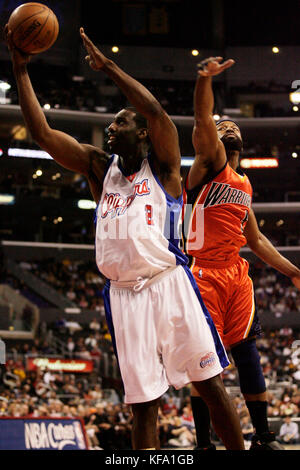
(214, 218)
(215, 215)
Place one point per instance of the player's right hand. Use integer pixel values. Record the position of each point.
(296, 281)
(95, 58)
(18, 57)
(211, 66)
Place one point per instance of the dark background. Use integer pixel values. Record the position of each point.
(177, 23)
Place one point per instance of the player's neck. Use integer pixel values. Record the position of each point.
(131, 163)
(233, 157)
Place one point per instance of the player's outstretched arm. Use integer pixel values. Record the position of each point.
(264, 249)
(209, 150)
(62, 147)
(163, 132)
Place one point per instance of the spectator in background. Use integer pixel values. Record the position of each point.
(3, 406)
(91, 430)
(90, 342)
(70, 346)
(96, 392)
(83, 353)
(247, 430)
(287, 407)
(95, 325)
(169, 405)
(184, 436)
(71, 294)
(289, 431)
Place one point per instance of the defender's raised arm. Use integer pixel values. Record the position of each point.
(209, 150)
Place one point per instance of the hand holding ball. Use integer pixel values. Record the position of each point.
(34, 27)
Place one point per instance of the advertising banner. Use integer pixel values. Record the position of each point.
(56, 365)
(42, 434)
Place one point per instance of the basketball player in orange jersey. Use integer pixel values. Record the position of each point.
(216, 189)
(158, 343)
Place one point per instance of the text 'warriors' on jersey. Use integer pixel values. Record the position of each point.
(137, 233)
(215, 215)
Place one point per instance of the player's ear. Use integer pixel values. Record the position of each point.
(142, 133)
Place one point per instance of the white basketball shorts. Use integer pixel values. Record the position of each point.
(163, 335)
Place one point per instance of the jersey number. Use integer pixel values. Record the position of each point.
(244, 221)
(148, 213)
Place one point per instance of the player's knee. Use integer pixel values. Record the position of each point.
(247, 361)
(211, 390)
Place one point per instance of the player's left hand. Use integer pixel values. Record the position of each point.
(212, 66)
(296, 281)
(18, 57)
(95, 58)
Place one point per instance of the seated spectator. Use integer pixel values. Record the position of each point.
(288, 408)
(70, 346)
(169, 405)
(247, 430)
(83, 353)
(95, 325)
(90, 342)
(184, 436)
(289, 431)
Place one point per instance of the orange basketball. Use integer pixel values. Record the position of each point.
(34, 27)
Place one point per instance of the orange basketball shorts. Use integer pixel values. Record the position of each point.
(228, 295)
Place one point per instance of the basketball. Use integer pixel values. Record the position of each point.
(34, 27)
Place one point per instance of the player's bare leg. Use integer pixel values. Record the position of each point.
(144, 429)
(224, 417)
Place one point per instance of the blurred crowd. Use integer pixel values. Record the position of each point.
(81, 282)
(97, 397)
(98, 400)
(273, 291)
(73, 92)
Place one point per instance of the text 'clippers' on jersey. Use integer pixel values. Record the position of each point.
(137, 232)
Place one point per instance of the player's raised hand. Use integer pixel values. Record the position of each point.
(296, 281)
(18, 57)
(95, 58)
(212, 66)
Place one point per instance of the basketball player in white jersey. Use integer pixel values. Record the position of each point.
(161, 330)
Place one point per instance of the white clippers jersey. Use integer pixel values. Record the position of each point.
(137, 225)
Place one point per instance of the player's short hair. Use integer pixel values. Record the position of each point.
(140, 120)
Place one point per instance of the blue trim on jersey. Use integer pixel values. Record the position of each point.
(174, 209)
(218, 343)
(173, 216)
(111, 159)
(108, 314)
(168, 196)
